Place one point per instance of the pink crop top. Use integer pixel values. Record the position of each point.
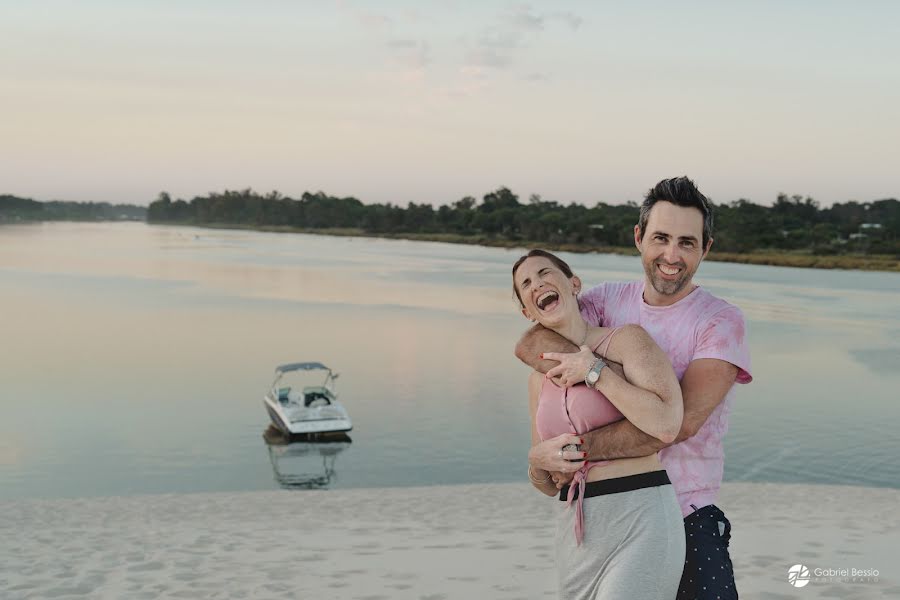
(578, 409)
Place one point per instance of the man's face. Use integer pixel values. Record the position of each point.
(671, 251)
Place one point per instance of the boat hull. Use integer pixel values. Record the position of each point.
(282, 421)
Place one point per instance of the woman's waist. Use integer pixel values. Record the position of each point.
(622, 467)
(550, 424)
(618, 485)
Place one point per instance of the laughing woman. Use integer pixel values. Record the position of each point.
(621, 534)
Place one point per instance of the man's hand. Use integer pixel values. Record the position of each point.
(572, 367)
(546, 455)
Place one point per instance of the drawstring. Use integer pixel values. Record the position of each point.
(580, 479)
(579, 504)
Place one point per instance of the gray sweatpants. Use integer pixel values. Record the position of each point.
(633, 547)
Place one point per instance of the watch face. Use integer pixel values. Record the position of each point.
(593, 376)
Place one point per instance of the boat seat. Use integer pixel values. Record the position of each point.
(283, 394)
(313, 396)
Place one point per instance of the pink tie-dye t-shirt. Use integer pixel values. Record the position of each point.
(697, 326)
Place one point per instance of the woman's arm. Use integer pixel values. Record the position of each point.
(548, 487)
(649, 395)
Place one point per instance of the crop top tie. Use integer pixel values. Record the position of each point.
(577, 410)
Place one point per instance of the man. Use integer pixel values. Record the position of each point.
(703, 336)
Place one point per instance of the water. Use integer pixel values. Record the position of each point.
(134, 360)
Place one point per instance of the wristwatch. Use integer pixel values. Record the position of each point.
(593, 375)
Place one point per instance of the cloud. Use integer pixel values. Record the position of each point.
(373, 20)
(494, 48)
(413, 54)
(412, 15)
(522, 17)
(498, 45)
(470, 81)
(569, 18)
(369, 20)
(536, 77)
(485, 56)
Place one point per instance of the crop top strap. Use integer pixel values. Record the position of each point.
(607, 339)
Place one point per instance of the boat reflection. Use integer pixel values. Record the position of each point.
(303, 463)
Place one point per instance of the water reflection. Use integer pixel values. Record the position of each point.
(303, 463)
(424, 334)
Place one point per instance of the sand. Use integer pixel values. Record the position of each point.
(470, 541)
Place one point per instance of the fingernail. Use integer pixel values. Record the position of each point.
(542, 356)
(584, 454)
(581, 440)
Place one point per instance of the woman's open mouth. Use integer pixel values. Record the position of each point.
(547, 301)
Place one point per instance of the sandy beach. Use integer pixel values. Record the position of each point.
(425, 543)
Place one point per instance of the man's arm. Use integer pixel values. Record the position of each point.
(703, 386)
(537, 340)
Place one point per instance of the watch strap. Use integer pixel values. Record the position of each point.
(595, 370)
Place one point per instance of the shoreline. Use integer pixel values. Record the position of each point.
(435, 542)
(876, 262)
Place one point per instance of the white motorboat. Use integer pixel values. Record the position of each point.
(309, 409)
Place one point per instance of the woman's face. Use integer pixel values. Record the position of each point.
(548, 296)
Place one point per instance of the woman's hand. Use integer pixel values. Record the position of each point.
(573, 367)
(550, 456)
(561, 479)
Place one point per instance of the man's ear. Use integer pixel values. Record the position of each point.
(637, 237)
(708, 246)
(526, 315)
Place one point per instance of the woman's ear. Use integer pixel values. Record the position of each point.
(576, 284)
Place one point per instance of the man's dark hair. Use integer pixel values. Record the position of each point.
(680, 191)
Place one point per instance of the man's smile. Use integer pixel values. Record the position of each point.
(669, 271)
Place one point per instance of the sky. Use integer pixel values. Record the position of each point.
(429, 101)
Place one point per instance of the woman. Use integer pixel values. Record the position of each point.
(623, 537)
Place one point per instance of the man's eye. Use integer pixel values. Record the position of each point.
(660, 238)
(688, 244)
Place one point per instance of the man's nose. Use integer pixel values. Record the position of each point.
(671, 254)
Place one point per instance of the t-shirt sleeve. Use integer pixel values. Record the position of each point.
(592, 304)
(724, 337)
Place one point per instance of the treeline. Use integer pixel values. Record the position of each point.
(15, 210)
(791, 223)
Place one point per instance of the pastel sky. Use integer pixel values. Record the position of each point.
(429, 101)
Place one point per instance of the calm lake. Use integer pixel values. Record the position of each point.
(134, 359)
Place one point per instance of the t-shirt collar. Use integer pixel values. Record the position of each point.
(686, 300)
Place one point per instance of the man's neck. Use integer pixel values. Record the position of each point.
(654, 298)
